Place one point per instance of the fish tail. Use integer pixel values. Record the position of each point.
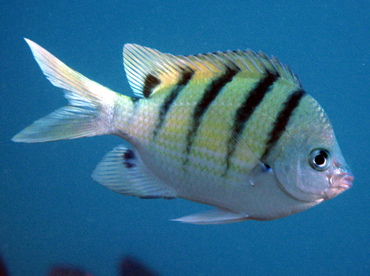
(90, 109)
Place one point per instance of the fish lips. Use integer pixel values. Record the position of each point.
(338, 184)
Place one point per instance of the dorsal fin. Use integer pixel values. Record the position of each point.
(148, 70)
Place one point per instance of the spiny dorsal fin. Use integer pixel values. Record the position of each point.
(149, 70)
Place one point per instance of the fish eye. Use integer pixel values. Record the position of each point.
(319, 159)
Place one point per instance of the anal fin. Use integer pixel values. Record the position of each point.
(123, 171)
(214, 216)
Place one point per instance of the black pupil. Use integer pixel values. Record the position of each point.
(320, 159)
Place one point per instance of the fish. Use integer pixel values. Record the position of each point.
(131, 266)
(67, 271)
(3, 268)
(234, 130)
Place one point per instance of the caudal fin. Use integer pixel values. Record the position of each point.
(90, 108)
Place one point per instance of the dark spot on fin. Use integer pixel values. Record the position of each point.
(135, 99)
(149, 84)
(128, 156)
(129, 165)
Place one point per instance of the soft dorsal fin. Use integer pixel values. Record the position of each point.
(149, 70)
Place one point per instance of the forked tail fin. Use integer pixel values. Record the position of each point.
(90, 110)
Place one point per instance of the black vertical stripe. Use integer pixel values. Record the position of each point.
(165, 107)
(203, 104)
(282, 120)
(245, 111)
(149, 83)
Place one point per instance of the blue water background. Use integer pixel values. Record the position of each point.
(51, 212)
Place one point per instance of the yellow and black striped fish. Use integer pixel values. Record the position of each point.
(234, 130)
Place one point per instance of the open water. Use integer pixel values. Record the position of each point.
(51, 212)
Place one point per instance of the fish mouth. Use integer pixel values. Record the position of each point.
(343, 180)
(338, 184)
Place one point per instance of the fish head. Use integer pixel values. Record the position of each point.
(310, 166)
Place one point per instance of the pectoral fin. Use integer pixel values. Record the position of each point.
(123, 171)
